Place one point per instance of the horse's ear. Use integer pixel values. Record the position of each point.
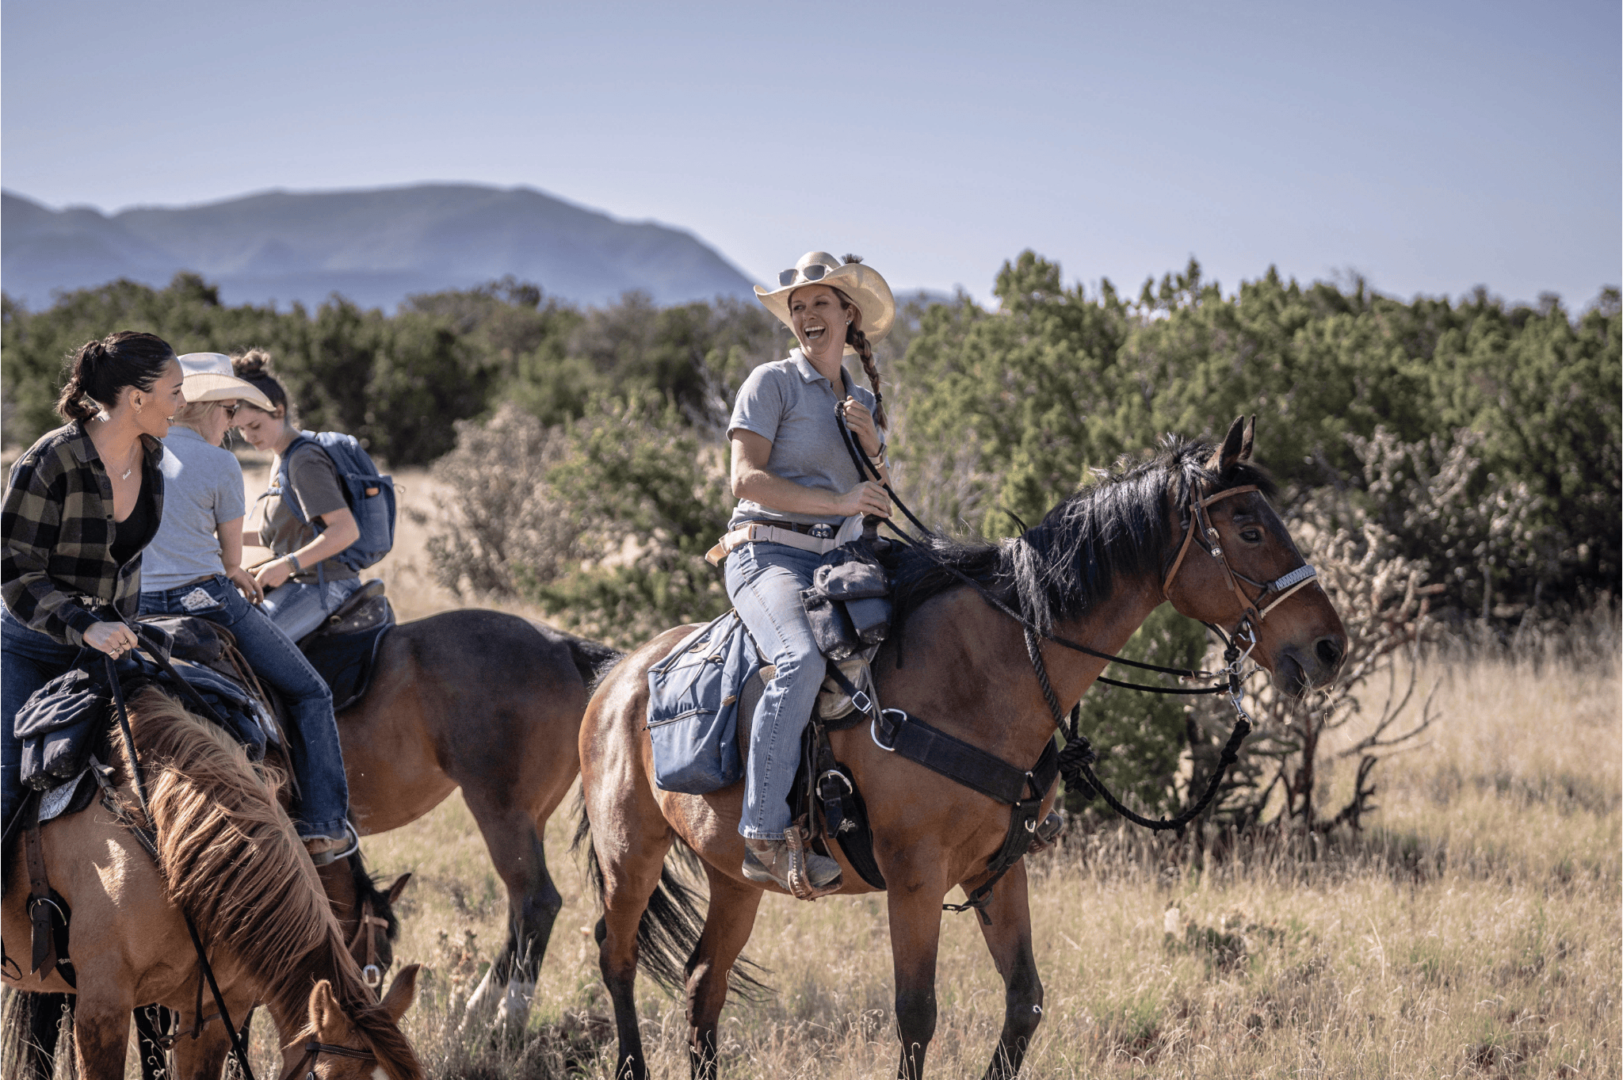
(1249, 439)
(397, 888)
(326, 1017)
(1227, 454)
(401, 992)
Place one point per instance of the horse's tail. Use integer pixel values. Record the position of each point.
(670, 926)
(592, 659)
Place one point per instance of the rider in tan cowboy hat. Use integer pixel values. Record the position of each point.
(797, 487)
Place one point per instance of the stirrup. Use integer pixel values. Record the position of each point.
(332, 855)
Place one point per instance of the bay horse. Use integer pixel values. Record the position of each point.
(227, 856)
(490, 703)
(1090, 572)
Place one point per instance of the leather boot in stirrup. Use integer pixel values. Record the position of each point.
(791, 865)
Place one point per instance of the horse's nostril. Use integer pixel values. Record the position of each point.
(1329, 650)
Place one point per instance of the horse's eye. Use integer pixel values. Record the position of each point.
(1251, 536)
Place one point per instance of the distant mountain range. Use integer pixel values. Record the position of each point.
(375, 247)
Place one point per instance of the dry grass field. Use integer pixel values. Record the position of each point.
(1472, 930)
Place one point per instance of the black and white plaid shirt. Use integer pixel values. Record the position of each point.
(57, 568)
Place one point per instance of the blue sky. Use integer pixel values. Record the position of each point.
(1432, 147)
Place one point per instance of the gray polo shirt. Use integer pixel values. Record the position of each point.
(202, 487)
(791, 406)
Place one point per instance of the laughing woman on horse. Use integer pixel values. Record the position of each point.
(194, 567)
(81, 505)
(798, 487)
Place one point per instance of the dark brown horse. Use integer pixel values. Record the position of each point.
(1091, 572)
(490, 703)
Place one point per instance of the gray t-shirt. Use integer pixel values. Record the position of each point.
(202, 489)
(316, 485)
(791, 406)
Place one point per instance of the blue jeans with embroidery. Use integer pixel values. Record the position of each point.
(322, 800)
(298, 607)
(764, 581)
(28, 660)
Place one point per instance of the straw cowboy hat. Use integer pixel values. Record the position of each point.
(208, 378)
(862, 284)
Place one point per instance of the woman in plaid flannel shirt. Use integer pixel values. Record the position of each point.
(81, 504)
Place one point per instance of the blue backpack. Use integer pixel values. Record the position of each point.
(369, 493)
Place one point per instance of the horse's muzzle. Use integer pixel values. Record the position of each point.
(1300, 670)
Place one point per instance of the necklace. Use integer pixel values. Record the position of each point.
(135, 456)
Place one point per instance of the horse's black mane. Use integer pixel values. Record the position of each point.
(1056, 570)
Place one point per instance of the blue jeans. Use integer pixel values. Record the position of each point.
(28, 660)
(764, 581)
(322, 801)
(298, 607)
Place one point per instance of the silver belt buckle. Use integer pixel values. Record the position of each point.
(822, 531)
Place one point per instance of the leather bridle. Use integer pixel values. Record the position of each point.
(371, 973)
(1271, 594)
(314, 1049)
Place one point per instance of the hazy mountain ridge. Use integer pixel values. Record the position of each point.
(374, 246)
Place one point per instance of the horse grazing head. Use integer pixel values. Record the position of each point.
(365, 913)
(357, 1042)
(1237, 567)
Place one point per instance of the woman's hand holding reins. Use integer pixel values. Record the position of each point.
(113, 638)
(866, 498)
(860, 421)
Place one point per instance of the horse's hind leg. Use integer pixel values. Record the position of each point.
(727, 927)
(1009, 940)
(629, 882)
(533, 903)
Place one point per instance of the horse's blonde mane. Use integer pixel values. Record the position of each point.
(231, 860)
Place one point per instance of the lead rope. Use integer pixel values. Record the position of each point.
(1077, 756)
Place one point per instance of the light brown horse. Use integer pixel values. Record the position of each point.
(1091, 572)
(228, 857)
(490, 703)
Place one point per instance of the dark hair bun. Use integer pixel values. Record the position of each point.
(251, 363)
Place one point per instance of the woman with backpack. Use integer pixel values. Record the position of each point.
(194, 567)
(306, 581)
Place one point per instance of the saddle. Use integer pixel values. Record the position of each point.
(344, 648)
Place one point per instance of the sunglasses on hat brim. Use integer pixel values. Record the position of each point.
(808, 273)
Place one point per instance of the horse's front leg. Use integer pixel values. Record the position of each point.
(1009, 940)
(915, 937)
(101, 1028)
